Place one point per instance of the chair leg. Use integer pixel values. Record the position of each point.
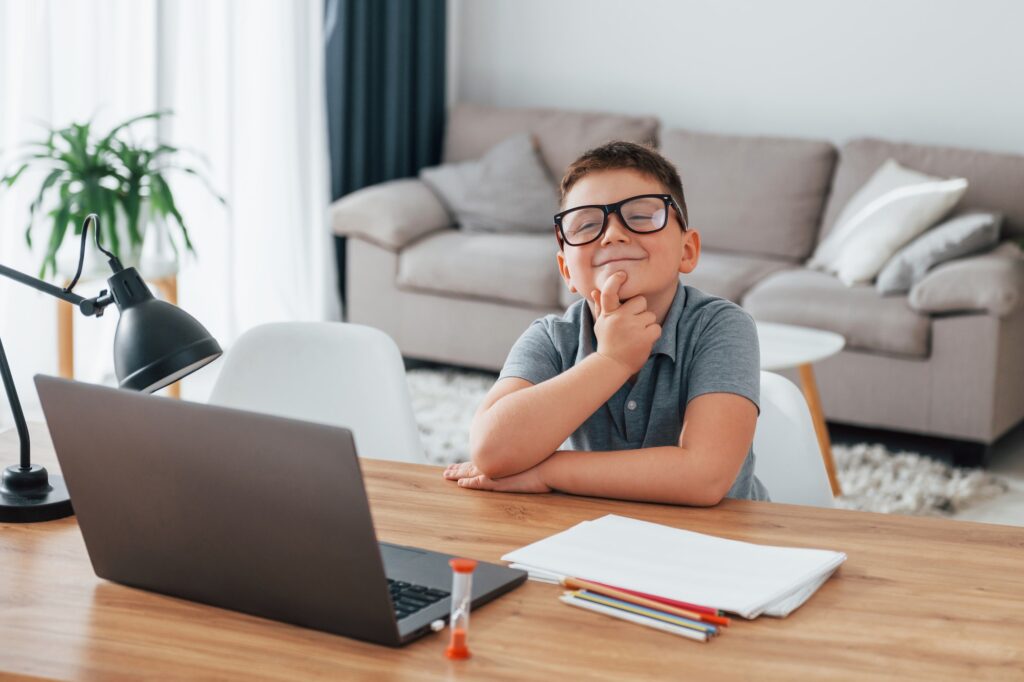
(810, 389)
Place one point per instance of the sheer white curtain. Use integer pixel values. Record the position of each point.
(245, 80)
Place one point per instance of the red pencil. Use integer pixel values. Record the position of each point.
(666, 600)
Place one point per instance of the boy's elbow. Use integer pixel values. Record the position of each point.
(718, 489)
(712, 490)
(709, 496)
(487, 457)
(481, 459)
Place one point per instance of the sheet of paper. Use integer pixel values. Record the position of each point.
(739, 577)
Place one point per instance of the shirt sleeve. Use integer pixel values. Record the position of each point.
(727, 358)
(533, 356)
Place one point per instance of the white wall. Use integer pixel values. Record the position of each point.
(931, 71)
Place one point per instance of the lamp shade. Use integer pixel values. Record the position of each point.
(156, 343)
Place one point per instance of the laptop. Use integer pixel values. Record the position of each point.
(244, 511)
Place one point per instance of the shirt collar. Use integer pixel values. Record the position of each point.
(666, 343)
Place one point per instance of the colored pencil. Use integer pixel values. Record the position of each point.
(633, 618)
(630, 596)
(674, 602)
(644, 611)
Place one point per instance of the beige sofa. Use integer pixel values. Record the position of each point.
(761, 205)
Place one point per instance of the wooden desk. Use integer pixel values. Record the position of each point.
(917, 598)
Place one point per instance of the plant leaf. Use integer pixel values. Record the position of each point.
(124, 124)
(60, 227)
(202, 178)
(12, 178)
(167, 199)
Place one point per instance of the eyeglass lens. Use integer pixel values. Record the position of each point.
(642, 214)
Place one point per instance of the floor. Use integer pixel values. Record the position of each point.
(1007, 460)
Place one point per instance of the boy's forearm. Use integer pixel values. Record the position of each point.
(523, 428)
(668, 474)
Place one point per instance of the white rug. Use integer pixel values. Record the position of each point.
(872, 477)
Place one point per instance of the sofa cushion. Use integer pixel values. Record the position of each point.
(882, 228)
(994, 180)
(730, 275)
(881, 190)
(755, 195)
(390, 214)
(993, 283)
(961, 235)
(561, 135)
(507, 190)
(866, 319)
(513, 268)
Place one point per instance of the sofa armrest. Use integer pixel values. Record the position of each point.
(390, 214)
(992, 282)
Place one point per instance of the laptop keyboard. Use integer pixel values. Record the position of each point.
(408, 598)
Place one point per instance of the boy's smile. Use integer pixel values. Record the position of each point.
(652, 262)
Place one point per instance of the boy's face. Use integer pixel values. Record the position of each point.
(652, 262)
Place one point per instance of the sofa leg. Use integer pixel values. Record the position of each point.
(959, 453)
(970, 454)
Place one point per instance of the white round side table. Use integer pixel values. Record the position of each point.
(785, 346)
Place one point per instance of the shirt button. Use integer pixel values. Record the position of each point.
(631, 405)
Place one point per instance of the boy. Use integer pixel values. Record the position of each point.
(652, 385)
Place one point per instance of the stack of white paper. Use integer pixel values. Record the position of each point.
(738, 577)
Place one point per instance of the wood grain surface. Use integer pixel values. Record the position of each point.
(917, 599)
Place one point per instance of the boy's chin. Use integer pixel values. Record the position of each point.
(640, 286)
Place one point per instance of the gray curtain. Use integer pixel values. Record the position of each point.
(385, 76)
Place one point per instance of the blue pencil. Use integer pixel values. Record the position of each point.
(644, 611)
(573, 600)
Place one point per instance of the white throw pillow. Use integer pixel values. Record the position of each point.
(886, 224)
(889, 176)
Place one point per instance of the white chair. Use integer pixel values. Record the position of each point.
(788, 457)
(328, 372)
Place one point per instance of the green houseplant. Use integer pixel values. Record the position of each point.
(113, 176)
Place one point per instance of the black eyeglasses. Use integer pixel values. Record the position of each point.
(641, 214)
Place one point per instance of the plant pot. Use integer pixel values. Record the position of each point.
(159, 254)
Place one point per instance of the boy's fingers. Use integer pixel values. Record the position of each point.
(610, 292)
(460, 470)
(635, 305)
(595, 296)
(477, 483)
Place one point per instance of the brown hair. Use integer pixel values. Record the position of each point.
(618, 155)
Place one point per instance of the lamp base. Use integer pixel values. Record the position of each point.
(31, 495)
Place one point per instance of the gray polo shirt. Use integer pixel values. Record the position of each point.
(707, 345)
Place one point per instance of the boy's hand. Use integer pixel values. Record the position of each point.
(468, 476)
(625, 332)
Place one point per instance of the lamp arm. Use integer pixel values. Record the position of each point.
(88, 306)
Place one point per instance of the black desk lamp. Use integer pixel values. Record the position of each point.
(156, 344)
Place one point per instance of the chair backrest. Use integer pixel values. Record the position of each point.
(788, 457)
(328, 372)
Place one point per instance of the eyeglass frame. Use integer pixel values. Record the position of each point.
(615, 208)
